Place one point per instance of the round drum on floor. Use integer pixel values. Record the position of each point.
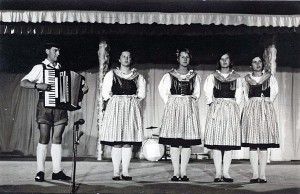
(152, 150)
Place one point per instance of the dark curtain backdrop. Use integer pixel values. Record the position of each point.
(18, 53)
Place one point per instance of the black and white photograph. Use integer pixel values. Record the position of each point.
(150, 96)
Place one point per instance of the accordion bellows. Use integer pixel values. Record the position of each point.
(66, 89)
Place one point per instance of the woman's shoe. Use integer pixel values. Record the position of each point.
(175, 178)
(254, 180)
(126, 178)
(262, 181)
(116, 178)
(230, 180)
(184, 178)
(40, 177)
(217, 180)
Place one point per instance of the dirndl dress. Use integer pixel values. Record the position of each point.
(180, 123)
(259, 119)
(122, 120)
(222, 127)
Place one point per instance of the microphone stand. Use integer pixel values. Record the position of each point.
(75, 143)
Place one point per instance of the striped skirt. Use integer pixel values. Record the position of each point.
(222, 128)
(180, 123)
(259, 124)
(122, 121)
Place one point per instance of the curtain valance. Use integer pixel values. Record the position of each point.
(21, 28)
(110, 17)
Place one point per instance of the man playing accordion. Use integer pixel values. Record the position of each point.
(48, 118)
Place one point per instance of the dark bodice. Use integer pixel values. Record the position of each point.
(224, 89)
(261, 90)
(123, 86)
(179, 87)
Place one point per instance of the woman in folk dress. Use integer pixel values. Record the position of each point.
(180, 90)
(259, 120)
(122, 127)
(223, 91)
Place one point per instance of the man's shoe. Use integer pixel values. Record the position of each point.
(60, 176)
(40, 177)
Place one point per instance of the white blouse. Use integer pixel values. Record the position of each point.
(209, 88)
(273, 87)
(165, 86)
(108, 82)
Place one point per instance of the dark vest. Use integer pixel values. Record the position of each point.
(182, 87)
(261, 90)
(123, 86)
(224, 89)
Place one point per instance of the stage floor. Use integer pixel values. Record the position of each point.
(17, 176)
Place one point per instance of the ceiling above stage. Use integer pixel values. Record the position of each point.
(168, 6)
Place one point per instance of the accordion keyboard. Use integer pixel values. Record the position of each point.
(52, 95)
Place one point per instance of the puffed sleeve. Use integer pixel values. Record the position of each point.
(197, 87)
(35, 75)
(209, 88)
(274, 88)
(164, 87)
(239, 91)
(107, 84)
(141, 93)
(245, 89)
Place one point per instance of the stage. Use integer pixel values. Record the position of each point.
(17, 176)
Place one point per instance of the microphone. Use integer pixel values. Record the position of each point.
(79, 122)
(79, 136)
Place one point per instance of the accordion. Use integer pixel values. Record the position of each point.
(66, 89)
